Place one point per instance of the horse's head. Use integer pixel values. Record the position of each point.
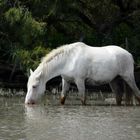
(35, 87)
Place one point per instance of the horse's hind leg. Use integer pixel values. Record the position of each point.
(128, 94)
(130, 80)
(65, 88)
(117, 88)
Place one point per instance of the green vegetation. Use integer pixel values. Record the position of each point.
(31, 28)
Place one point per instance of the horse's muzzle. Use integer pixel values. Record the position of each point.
(30, 102)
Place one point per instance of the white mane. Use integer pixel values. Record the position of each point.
(62, 50)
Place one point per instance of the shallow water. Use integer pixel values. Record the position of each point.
(68, 122)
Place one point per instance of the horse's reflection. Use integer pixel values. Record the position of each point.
(49, 122)
(35, 120)
(34, 112)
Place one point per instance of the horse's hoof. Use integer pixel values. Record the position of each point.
(119, 103)
(62, 100)
(83, 102)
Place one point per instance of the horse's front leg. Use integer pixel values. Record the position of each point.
(65, 88)
(81, 90)
(116, 86)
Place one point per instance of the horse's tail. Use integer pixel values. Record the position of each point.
(129, 79)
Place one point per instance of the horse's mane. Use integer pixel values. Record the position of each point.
(60, 51)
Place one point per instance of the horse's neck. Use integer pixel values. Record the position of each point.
(54, 68)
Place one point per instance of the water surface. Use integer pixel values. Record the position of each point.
(68, 122)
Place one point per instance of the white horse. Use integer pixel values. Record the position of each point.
(79, 63)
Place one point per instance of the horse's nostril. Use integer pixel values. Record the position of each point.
(31, 102)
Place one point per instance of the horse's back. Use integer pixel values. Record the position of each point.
(88, 57)
(124, 58)
(109, 52)
(117, 50)
(104, 61)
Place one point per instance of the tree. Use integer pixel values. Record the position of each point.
(29, 24)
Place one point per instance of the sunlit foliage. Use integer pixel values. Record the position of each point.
(30, 28)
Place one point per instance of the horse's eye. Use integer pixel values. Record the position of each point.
(34, 86)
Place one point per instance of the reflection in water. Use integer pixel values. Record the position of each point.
(82, 123)
(69, 122)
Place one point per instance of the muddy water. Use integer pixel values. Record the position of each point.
(69, 122)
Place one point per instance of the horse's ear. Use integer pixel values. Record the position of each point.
(31, 71)
(38, 75)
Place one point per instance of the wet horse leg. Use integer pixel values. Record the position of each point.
(128, 94)
(130, 80)
(81, 90)
(117, 87)
(65, 88)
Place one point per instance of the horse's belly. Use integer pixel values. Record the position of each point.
(101, 76)
(96, 82)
